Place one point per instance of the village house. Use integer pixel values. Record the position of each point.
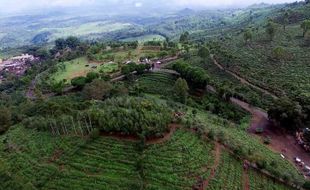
(17, 65)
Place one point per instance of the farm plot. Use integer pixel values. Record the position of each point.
(80, 67)
(257, 64)
(236, 137)
(29, 155)
(228, 174)
(103, 164)
(157, 83)
(259, 181)
(220, 79)
(178, 163)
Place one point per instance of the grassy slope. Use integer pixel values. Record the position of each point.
(145, 38)
(78, 67)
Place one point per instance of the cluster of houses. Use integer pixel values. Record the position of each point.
(16, 65)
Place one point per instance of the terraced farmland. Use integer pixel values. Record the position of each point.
(228, 174)
(177, 163)
(157, 83)
(259, 181)
(103, 164)
(289, 76)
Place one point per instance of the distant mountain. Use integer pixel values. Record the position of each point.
(186, 11)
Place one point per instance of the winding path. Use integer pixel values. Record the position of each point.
(217, 158)
(243, 80)
(245, 180)
(155, 140)
(281, 142)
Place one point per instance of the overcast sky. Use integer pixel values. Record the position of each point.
(24, 5)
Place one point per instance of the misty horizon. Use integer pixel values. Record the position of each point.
(20, 6)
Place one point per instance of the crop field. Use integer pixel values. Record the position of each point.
(237, 136)
(157, 83)
(228, 174)
(38, 160)
(29, 156)
(220, 78)
(80, 67)
(177, 163)
(259, 181)
(102, 164)
(255, 63)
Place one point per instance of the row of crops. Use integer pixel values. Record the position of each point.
(157, 83)
(255, 63)
(177, 163)
(28, 156)
(102, 164)
(237, 138)
(107, 163)
(259, 181)
(228, 174)
(220, 79)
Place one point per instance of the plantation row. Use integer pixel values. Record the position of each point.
(260, 182)
(228, 174)
(157, 83)
(287, 74)
(237, 139)
(102, 164)
(177, 163)
(107, 163)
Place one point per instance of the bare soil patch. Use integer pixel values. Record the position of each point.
(281, 142)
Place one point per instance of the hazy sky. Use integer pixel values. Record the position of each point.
(22, 5)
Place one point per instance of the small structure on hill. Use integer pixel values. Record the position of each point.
(17, 65)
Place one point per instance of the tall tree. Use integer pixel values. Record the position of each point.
(204, 53)
(285, 20)
(271, 29)
(184, 38)
(181, 90)
(97, 90)
(5, 119)
(247, 36)
(305, 25)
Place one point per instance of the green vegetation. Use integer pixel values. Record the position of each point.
(81, 67)
(145, 38)
(228, 174)
(260, 181)
(157, 83)
(105, 114)
(177, 163)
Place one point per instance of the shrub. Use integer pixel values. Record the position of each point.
(97, 90)
(91, 76)
(194, 75)
(306, 185)
(79, 82)
(267, 140)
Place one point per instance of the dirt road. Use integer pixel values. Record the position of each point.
(281, 142)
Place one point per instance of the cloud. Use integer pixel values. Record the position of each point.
(138, 4)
